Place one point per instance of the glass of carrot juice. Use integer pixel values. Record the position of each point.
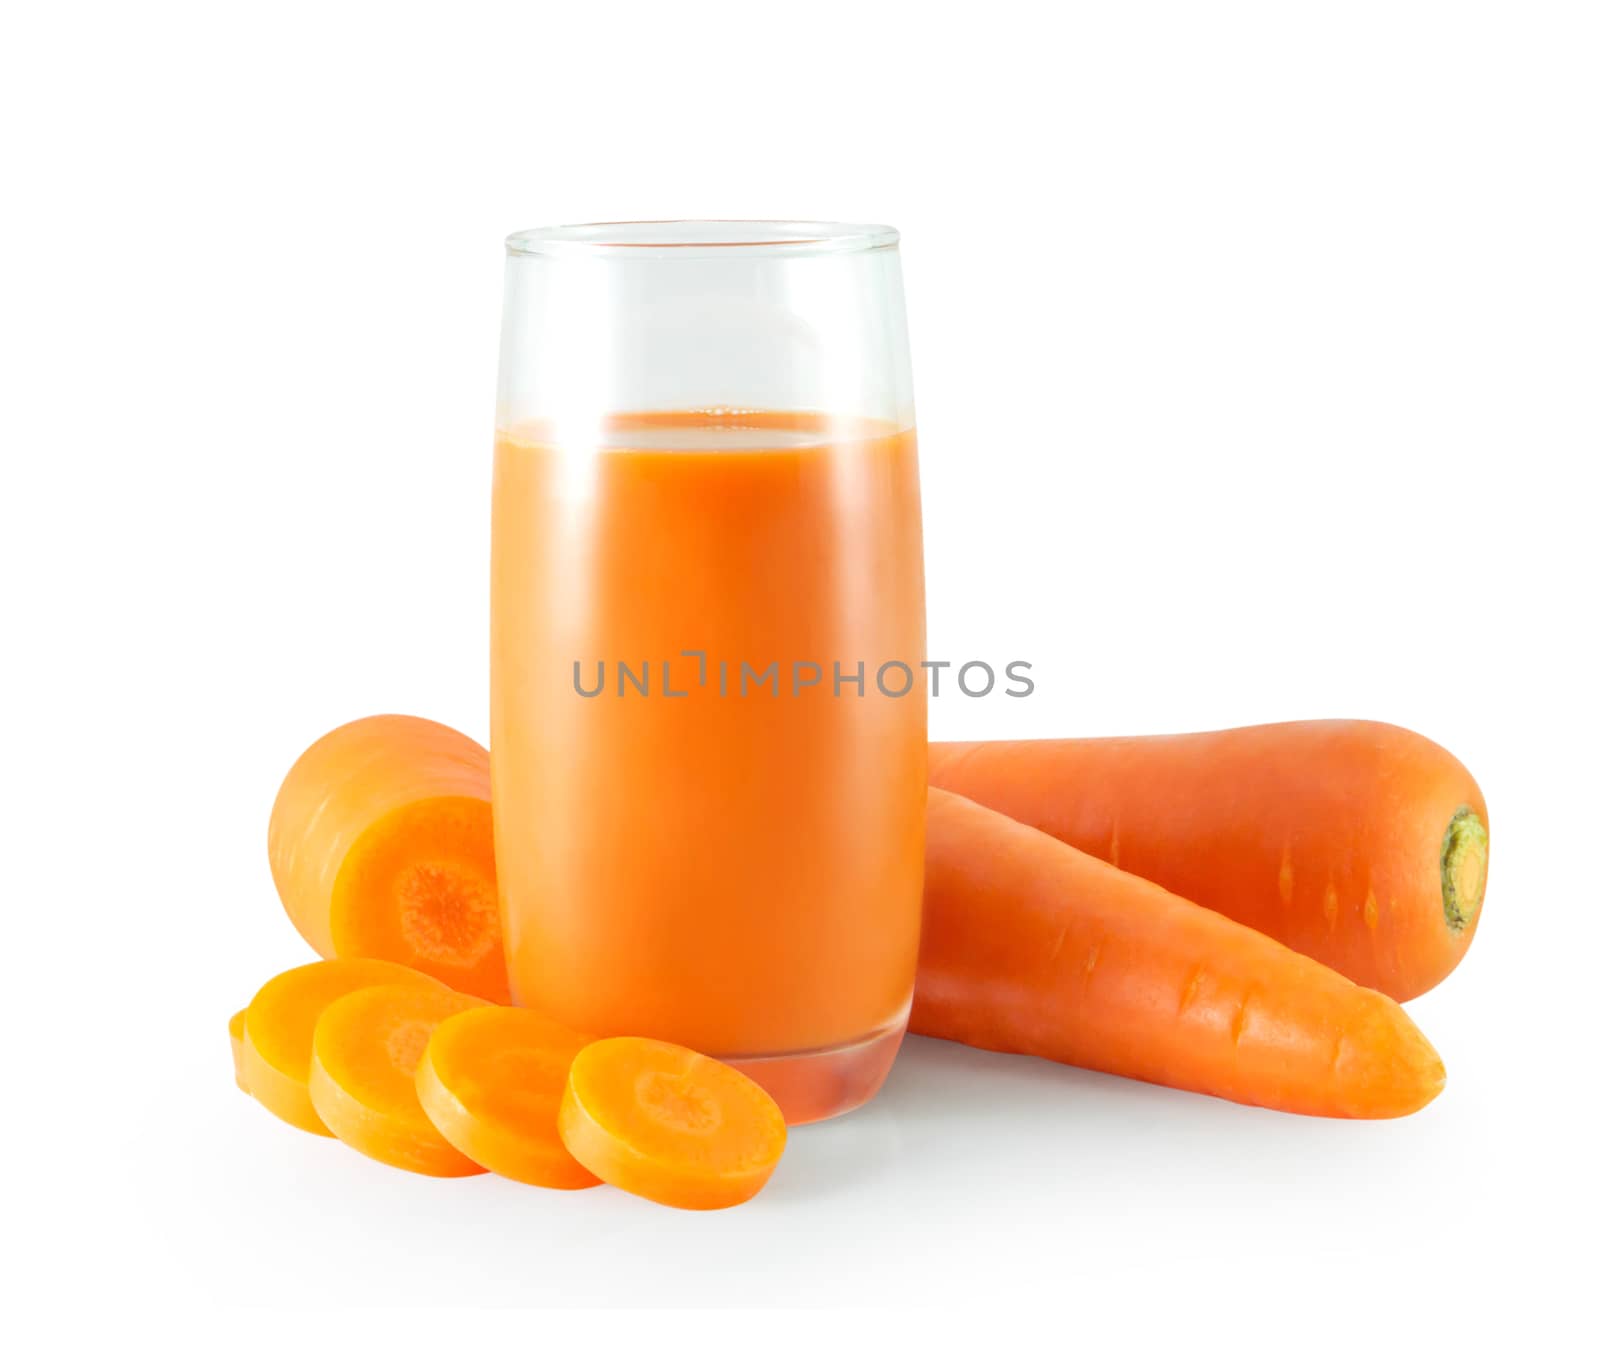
(709, 713)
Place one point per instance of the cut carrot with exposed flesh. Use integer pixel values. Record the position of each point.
(382, 845)
(1030, 946)
(670, 1124)
(1360, 844)
(280, 1020)
(364, 1058)
(236, 1043)
(491, 1080)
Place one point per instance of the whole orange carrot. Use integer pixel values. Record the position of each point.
(1029, 946)
(1360, 844)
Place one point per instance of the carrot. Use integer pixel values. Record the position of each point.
(236, 1043)
(1360, 844)
(1029, 946)
(490, 1080)
(382, 845)
(669, 1124)
(278, 1025)
(364, 1058)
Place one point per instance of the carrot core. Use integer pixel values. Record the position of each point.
(405, 1043)
(678, 1103)
(1463, 867)
(447, 912)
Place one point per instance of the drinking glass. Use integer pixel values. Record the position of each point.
(709, 710)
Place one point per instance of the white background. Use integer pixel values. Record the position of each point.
(1256, 354)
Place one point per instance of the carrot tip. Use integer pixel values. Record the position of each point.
(1463, 867)
(1421, 1064)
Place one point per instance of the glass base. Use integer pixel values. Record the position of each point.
(826, 1082)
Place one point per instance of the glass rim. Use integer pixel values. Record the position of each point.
(691, 238)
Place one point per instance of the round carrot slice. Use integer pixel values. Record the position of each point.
(278, 1025)
(670, 1124)
(236, 1043)
(364, 1058)
(491, 1079)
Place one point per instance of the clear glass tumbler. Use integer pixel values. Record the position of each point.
(709, 713)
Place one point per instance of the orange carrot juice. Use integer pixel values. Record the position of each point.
(709, 762)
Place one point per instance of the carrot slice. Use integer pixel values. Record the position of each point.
(236, 1043)
(491, 1079)
(382, 845)
(364, 1058)
(670, 1124)
(278, 1025)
